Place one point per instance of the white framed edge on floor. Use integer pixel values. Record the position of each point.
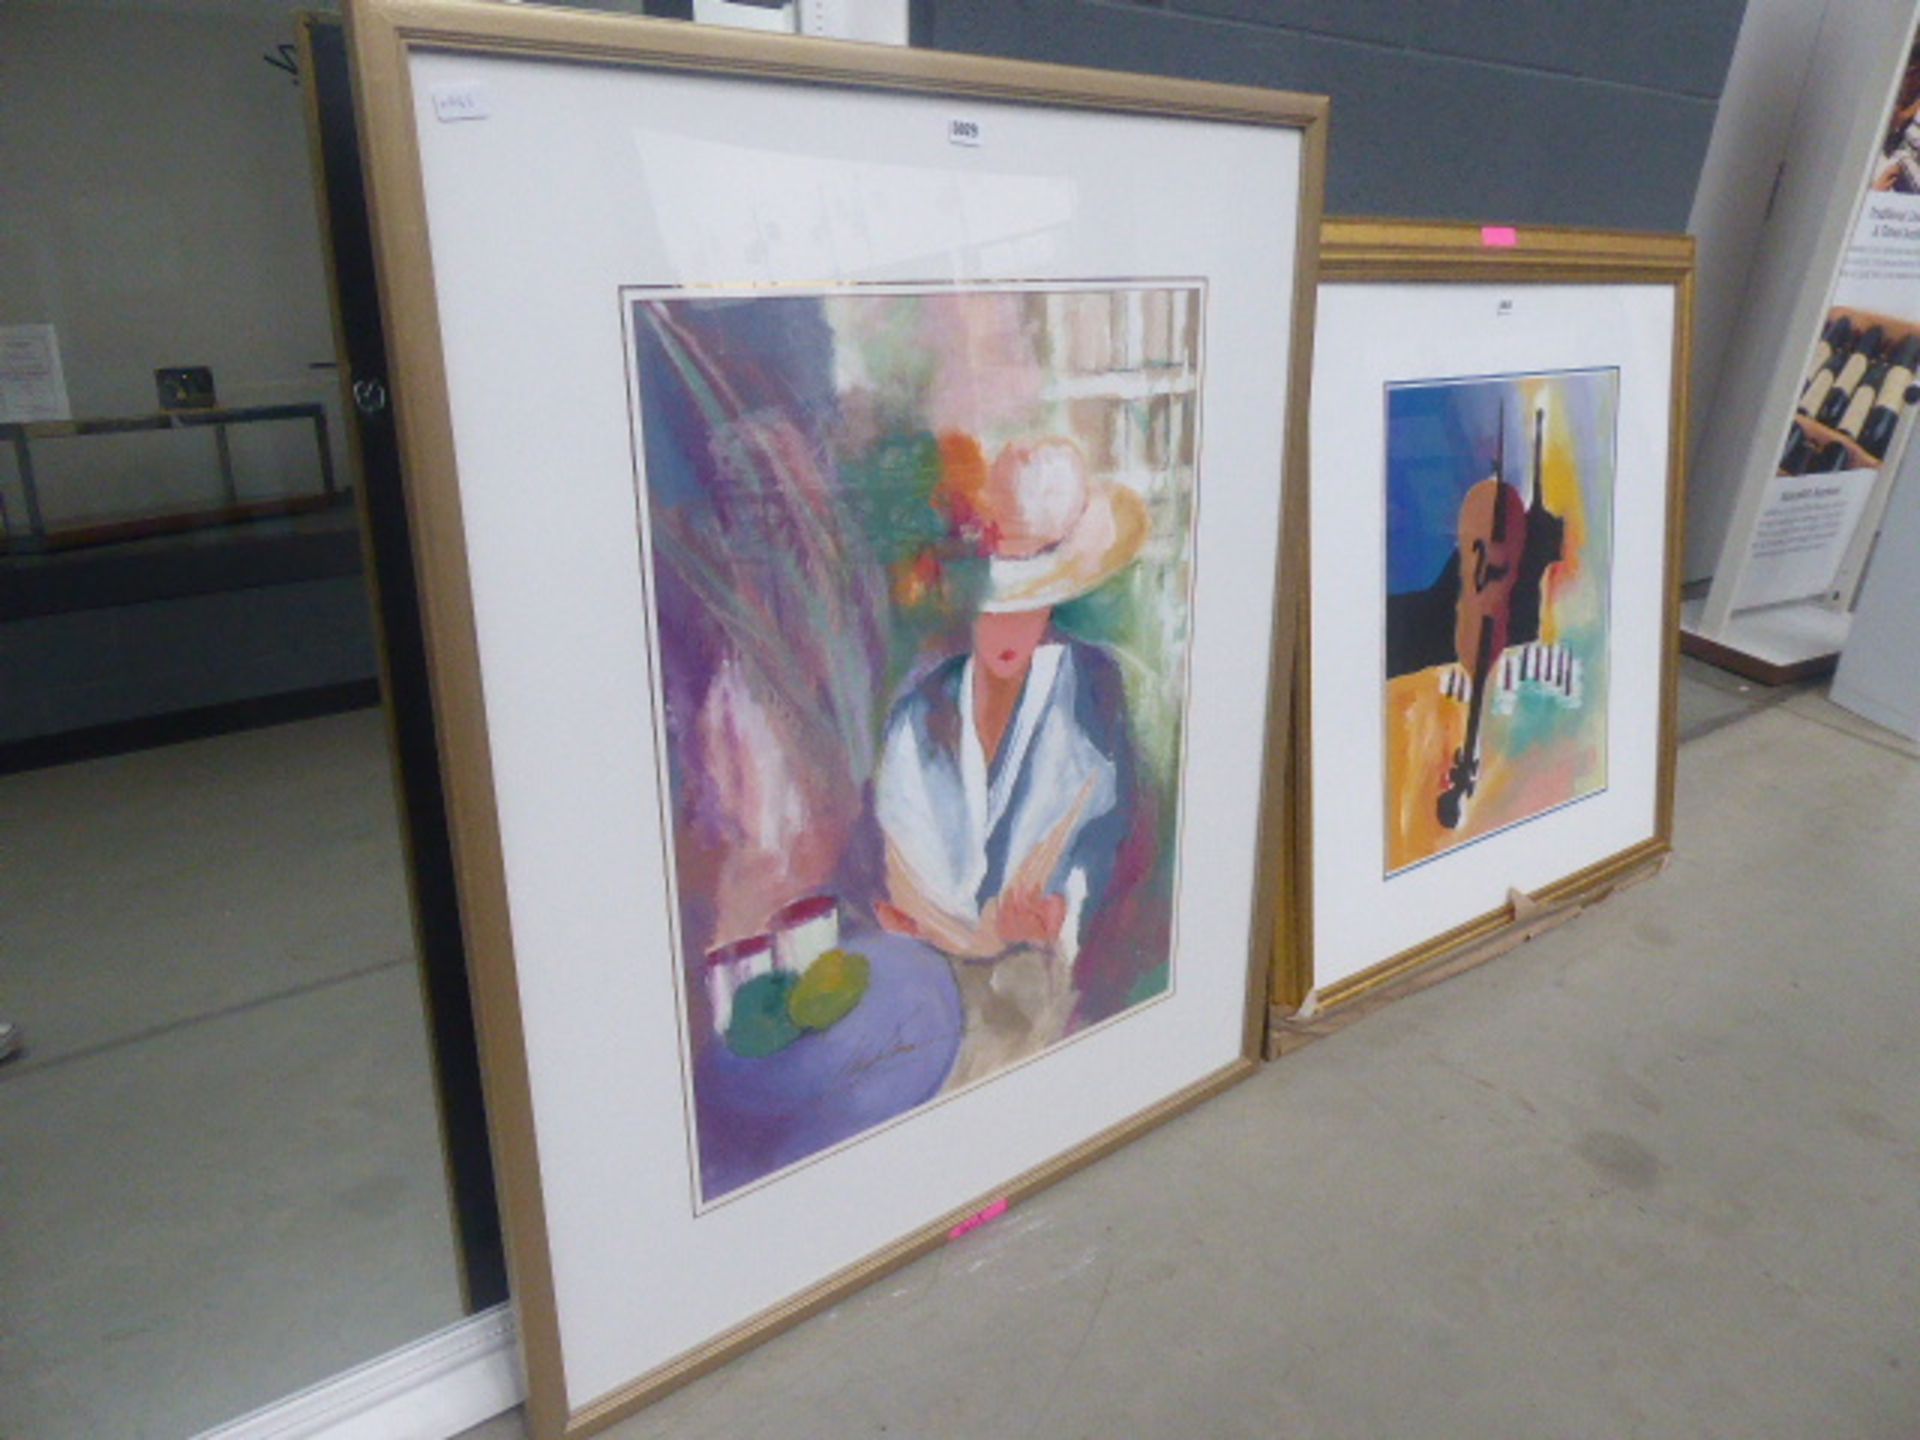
(1444, 354)
(803, 442)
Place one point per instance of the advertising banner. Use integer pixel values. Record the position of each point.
(1861, 384)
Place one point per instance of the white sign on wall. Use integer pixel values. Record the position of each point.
(1803, 535)
(32, 385)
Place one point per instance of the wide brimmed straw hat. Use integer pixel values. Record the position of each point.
(1053, 533)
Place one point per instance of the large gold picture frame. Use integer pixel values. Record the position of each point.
(386, 36)
(1415, 253)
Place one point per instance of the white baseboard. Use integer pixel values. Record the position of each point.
(436, 1387)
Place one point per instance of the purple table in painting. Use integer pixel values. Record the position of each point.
(890, 1054)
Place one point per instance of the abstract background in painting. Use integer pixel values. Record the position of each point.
(806, 466)
(1540, 568)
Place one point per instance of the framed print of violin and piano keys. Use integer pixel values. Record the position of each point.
(1491, 623)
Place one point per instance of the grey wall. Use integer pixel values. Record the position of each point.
(1578, 112)
(1575, 111)
(159, 211)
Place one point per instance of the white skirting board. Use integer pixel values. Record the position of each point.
(436, 1387)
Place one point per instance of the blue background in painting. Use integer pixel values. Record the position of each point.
(1440, 444)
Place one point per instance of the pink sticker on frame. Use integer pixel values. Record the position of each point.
(974, 1222)
(1499, 237)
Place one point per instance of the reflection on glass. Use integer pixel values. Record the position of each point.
(223, 1162)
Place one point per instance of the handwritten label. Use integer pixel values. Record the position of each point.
(1499, 237)
(964, 132)
(974, 1222)
(460, 102)
(1503, 310)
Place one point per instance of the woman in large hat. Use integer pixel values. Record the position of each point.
(1005, 781)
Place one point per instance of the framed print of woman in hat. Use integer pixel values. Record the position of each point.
(860, 532)
(919, 562)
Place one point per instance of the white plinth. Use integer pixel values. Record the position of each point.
(1774, 644)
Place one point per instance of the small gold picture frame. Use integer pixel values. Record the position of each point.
(1487, 670)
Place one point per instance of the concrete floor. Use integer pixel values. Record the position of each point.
(220, 1171)
(1657, 1174)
